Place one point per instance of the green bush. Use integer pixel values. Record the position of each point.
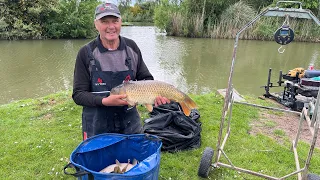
(72, 21)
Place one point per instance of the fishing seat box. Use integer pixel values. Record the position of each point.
(311, 73)
(98, 152)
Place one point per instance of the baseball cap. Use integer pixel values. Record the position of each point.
(107, 9)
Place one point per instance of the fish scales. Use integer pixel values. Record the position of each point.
(145, 92)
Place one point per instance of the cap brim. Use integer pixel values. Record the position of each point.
(107, 14)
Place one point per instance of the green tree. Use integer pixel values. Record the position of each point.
(24, 19)
(198, 15)
(142, 11)
(162, 14)
(37, 19)
(258, 4)
(73, 20)
(312, 5)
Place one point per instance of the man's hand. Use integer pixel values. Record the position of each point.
(161, 100)
(115, 100)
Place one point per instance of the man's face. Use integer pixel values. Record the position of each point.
(109, 27)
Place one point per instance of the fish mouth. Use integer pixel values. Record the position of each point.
(114, 91)
(117, 89)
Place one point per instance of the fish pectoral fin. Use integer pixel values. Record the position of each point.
(149, 107)
(186, 110)
(125, 168)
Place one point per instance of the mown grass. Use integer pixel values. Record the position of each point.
(38, 136)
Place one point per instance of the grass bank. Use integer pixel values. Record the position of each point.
(38, 136)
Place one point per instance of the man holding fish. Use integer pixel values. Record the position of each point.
(103, 64)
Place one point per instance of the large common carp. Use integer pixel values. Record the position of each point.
(145, 92)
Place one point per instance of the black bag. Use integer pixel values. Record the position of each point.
(176, 130)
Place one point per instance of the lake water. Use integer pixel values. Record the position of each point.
(35, 68)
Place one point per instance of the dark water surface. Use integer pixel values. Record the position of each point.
(35, 68)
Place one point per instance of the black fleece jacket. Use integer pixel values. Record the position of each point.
(82, 85)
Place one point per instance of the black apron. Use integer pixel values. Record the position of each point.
(109, 119)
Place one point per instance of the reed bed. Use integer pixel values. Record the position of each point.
(233, 19)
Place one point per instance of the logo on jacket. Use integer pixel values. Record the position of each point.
(128, 78)
(100, 82)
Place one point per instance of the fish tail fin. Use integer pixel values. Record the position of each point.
(186, 110)
(187, 105)
(190, 103)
